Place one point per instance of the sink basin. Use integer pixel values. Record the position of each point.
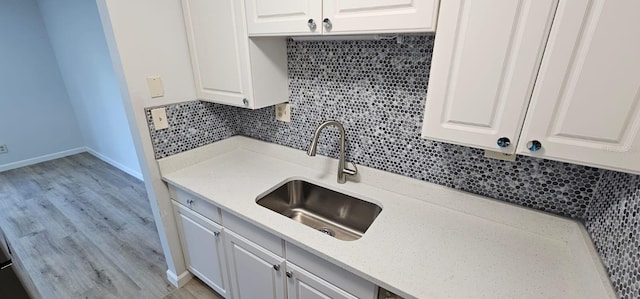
(338, 215)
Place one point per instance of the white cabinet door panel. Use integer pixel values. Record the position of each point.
(586, 104)
(252, 270)
(373, 16)
(485, 61)
(203, 248)
(283, 17)
(304, 285)
(219, 57)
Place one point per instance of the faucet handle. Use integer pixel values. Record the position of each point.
(353, 171)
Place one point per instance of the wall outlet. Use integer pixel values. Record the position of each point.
(3, 149)
(159, 117)
(499, 156)
(283, 112)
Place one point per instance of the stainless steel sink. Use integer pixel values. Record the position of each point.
(339, 215)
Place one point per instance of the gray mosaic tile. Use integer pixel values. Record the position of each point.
(191, 124)
(377, 90)
(613, 221)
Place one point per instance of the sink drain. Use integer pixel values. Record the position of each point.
(327, 231)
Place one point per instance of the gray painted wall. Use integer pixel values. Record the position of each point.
(36, 116)
(80, 46)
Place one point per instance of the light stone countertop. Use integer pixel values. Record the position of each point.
(429, 241)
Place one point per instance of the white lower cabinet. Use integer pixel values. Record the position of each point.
(203, 248)
(259, 273)
(304, 285)
(242, 261)
(255, 272)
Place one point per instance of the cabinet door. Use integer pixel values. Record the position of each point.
(255, 271)
(304, 285)
(586, 104)
(203, 248)
(219, 50)
(283, 17)
(485, 60)
(379, 16)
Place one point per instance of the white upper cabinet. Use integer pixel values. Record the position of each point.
(581, 105)
(379, 16)
(485, 61)
(289, 17)
(312, 17)
(229, 68)
(586, 104)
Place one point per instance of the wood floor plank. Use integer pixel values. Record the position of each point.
(84, 229)
(57, 224)
(19, 223)
(131, 246)
(194, 289)
(67, 267)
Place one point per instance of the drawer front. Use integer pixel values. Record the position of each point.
(253, 233)
(196, 204)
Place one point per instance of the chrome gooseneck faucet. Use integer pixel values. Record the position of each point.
(342, 170)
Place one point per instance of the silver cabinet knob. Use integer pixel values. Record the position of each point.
(504, 142)
(190, 203)
(534, 145)
(276, 267)
(217, 234)
(312, 24)
(327, 24)
(289, 274)
(245, 102)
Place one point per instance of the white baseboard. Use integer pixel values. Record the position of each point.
(40, 159)
(115, 164)
(181, 280)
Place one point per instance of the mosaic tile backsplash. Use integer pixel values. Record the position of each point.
(191, 125)
(377, 89)
(613, 221)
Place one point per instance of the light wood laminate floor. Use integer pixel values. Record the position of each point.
(84, 229)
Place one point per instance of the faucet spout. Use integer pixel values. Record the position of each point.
(342, 170)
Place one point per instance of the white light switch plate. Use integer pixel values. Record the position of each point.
(156, 89)
(283, 112)
(159, 117)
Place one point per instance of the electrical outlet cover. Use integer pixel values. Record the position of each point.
(159, 117)
(283, 112)
(3, 149)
